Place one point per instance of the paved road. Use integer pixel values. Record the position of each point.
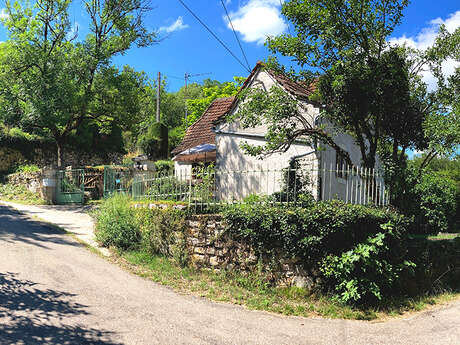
(54, 291)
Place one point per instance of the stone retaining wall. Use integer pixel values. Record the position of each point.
(32, 181)
(210, 246)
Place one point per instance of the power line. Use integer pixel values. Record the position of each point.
(214, 35)
(234, 32)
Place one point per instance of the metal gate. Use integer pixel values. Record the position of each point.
(117, 180)
(70, 187)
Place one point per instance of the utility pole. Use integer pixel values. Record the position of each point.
(187, 76)
(158, 96)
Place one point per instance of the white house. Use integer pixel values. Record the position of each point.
(239, 175)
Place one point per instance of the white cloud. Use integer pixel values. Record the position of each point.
(425, 39)
(176, 26)
(3, 14)
(258, 19)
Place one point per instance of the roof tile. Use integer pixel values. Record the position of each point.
(201, 131)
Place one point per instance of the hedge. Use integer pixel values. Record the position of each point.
(359, 250)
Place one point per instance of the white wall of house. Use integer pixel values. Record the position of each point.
(183, 170)
(251, 175)
(240, 175)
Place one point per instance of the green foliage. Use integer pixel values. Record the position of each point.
(197, 106)
(115, 225)
(175, 136)
(164, 167)
(430, 198)
(163, 232)
(309, 233)
(437, 266)
(377, 102)
(27, 168)
(361, 244)
(367, 272)
(19, 194)
(70, 80)
(437, 203)
(154, 143)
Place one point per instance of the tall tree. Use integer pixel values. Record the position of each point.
(55, 76)
(211, 91)
(363, 85)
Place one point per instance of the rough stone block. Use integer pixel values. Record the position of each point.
(214, 261)
(193, 223)
(303, 282)
(200, 250)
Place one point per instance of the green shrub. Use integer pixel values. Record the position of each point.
(309, 233)
(163, 232)
(27, 168)
(354, 246)
(19, 193)
(437, 266)
(436, 196)
(115, 223)
(368, 272)
(164, 167)
(430, 199)
(154, 143)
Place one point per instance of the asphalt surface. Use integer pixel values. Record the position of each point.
(54, 291)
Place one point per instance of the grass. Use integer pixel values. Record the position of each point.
(20, 195)
(251, 291)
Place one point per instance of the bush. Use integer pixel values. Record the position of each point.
(430, 199)
(437, 265)
(309, 233)
(115, 223)
(164, 167)
(356, 248)
(19, 193)
(367, 272)
(436, 196)
(154, 143)
(27, 168)
(163, 232)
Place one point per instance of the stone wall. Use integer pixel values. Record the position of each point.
(44, 155)
(210, 246)
(32, 181)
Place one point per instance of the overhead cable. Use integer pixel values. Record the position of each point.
(234, 32)
(214, 35)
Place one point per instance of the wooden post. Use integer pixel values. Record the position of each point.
(158, 96)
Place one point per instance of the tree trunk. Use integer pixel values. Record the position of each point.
(59, 145)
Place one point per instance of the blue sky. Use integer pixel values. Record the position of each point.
(188, 47)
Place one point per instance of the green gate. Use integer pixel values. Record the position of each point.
(70, 187)
(117, 180)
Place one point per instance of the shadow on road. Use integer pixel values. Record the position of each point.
(15, 226)
(30, 315)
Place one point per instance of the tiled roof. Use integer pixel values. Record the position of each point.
(201, 131)
(299, 89)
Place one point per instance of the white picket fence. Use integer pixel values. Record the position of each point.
(354, 185)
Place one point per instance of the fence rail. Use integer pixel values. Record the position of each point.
(204, 186)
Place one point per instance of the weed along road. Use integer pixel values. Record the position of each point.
(55, 291)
